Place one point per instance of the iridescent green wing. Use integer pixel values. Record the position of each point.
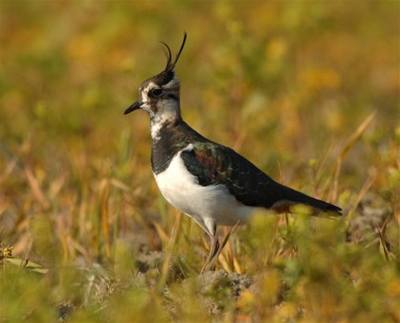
(214, 164)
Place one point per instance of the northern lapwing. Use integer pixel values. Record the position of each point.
(209, 182)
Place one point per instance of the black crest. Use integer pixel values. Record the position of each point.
(168, 73)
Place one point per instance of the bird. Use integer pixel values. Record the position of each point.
(210, 182)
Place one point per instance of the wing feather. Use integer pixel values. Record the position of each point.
(214, 164)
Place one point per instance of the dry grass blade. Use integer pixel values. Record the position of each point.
(120, 185)
(318, 175)
(365, 188)
(382, 241)
(8, 170)
(170, 250)
(27, 264)
(356, 135)
(228, 258)
(104, 215)
(161, 232)
(3, 206)
(36, 190)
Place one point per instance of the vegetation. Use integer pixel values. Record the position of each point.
(308, 90)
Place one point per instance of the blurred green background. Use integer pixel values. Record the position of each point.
(286, 83)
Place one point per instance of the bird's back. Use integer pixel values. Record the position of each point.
(215, 164)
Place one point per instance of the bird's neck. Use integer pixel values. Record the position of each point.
(168, 138)
(167, 114)
(161, 121)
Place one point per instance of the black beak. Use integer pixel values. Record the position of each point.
(133, 107)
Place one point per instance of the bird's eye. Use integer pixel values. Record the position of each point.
(155, 92)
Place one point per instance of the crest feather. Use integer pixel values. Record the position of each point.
(171, 65)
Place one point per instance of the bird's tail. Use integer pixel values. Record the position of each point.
(296, 197)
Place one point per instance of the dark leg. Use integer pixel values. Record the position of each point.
(221, 246)
(214, 248)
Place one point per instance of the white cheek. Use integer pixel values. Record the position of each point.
(144, 96)
(145, 93)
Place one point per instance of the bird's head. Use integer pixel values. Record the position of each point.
(159, 95)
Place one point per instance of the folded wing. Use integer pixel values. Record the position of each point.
(214, 164)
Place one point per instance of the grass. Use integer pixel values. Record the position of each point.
(308, 90)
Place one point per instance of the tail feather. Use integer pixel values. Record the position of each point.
(294, 196)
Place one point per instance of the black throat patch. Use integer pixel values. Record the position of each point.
(171, 138)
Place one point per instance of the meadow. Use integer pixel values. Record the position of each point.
(308, 90)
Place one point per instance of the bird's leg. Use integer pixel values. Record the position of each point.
(214, 248)
(222, 245)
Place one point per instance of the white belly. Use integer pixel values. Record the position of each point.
(204, 203)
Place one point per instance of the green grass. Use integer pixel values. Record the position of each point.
(307, 90)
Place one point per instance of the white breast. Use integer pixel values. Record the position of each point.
(205, 204)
